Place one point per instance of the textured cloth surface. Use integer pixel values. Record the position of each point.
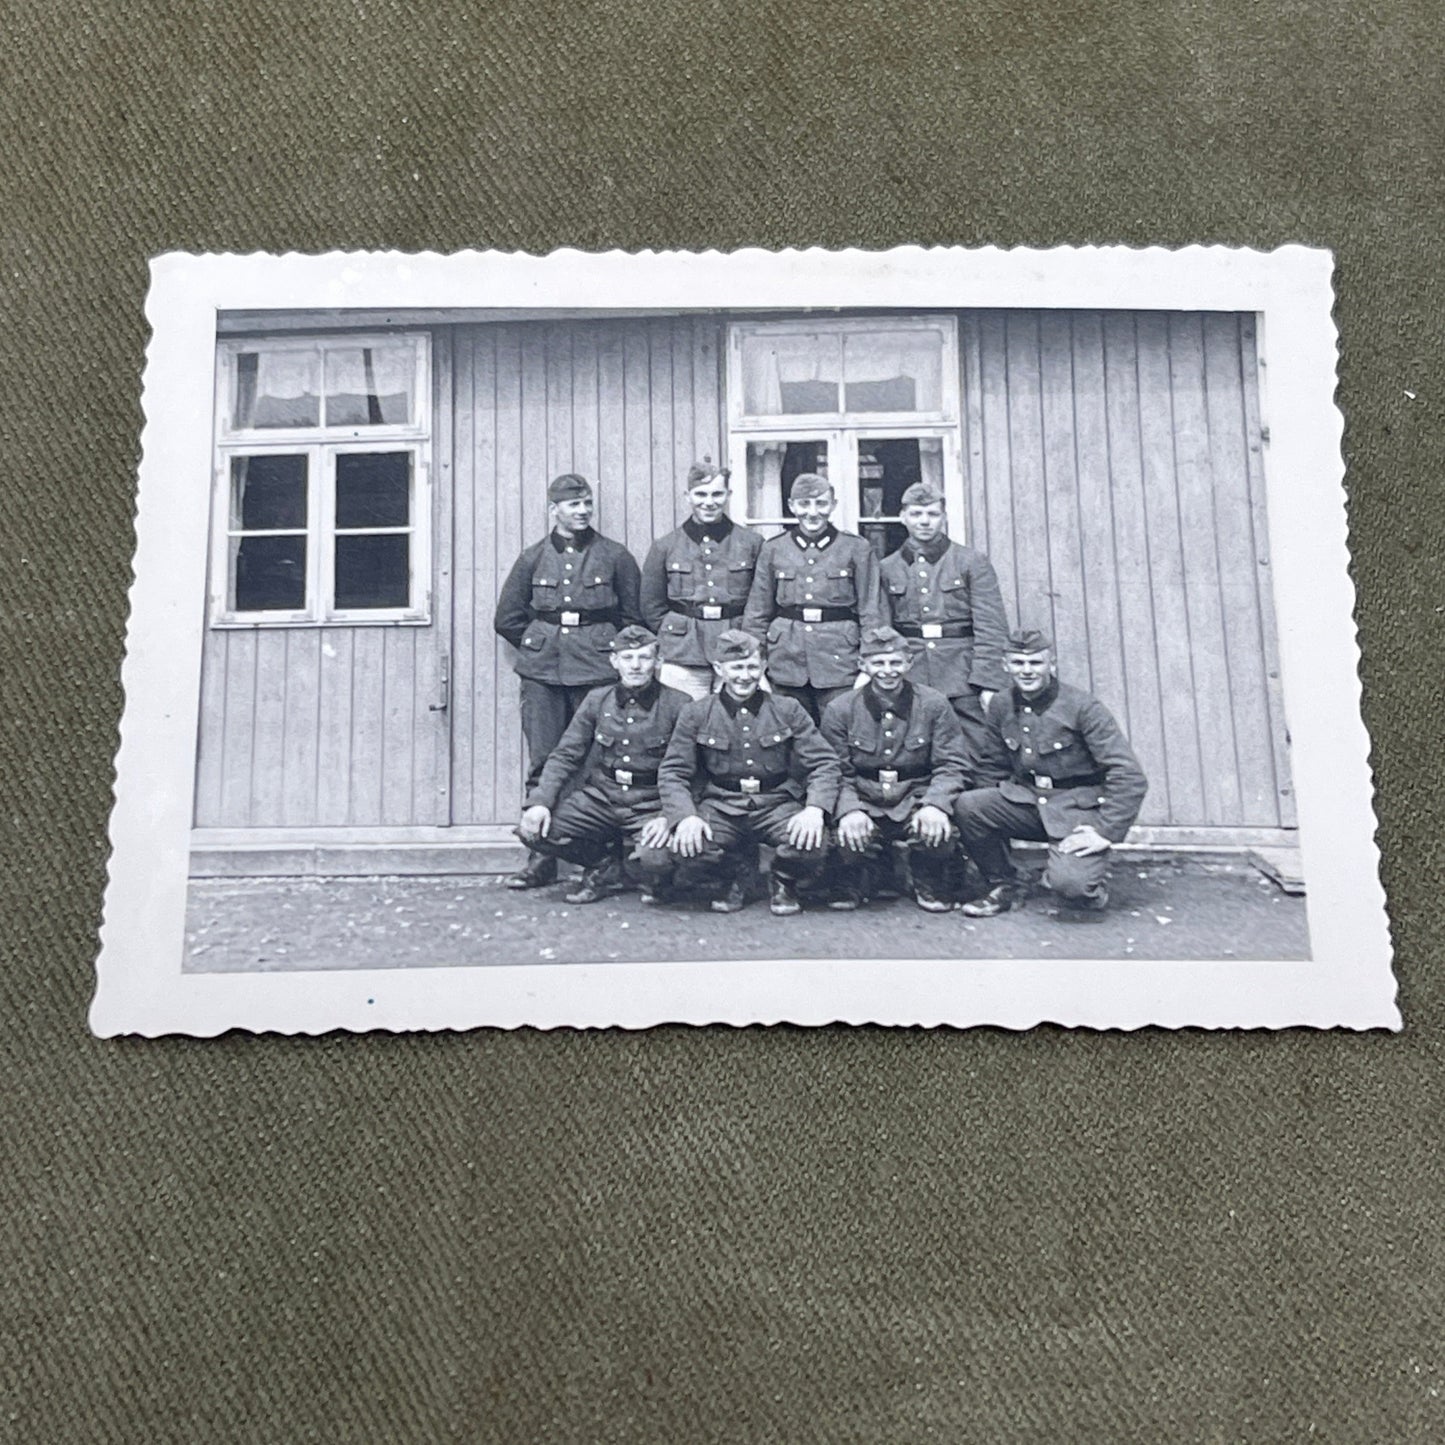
(770, 1235)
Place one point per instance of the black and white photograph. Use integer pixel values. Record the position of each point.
(913, 637)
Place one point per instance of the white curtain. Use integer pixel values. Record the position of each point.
(390, 371)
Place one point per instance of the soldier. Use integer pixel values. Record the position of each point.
(745, 767)
(620, 733)
(947, 596)
(562, 603)
(903, 768)
(695, 581)
(814, 588)
(1061, 772)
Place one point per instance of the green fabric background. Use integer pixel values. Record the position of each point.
(698, 1235)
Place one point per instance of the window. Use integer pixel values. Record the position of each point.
(323, 513)
(872, 403)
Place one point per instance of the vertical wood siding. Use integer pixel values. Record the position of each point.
(1114, 477)
(629, 404)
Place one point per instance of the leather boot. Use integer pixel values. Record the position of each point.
(538, 872)
(598, 882)
(999, 899)
(782, 900)
(731, 899)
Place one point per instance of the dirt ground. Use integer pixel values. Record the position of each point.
(1174, 907)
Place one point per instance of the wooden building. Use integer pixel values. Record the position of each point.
(376, 475)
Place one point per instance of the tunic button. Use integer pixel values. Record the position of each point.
(626, 758)
(808, 596)
(930, 647)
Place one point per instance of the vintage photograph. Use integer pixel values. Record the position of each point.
(608, 620)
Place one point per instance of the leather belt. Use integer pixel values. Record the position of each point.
(763, 783)
(629, 777)
(707, 611)
(582, 617)
(819, 614)
(934, 629)
(1050, 785)
(895, 775)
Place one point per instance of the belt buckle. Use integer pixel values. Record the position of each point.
(812, 614)
(571, 619)
(623, 776)
(888, 777)
(711, 611)
(750, 785)
(932, 629)
(1046, 783)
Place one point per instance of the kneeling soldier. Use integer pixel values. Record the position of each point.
(1063, 773)
(744, 767)
(625, 729)
(904, 766)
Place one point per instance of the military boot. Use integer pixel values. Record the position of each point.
(999, 899)
(537, 872)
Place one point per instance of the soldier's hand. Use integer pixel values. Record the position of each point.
(931, 825)
(1084, 841)
(855, 829)
(690, 835)
(654, 833)
(805, 829)
(536, 822)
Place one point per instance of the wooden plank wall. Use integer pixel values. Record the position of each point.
(319, 726)
(1115, 479)
(630, 404)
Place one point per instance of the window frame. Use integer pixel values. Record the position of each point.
(322, 445)
(945, 324)
(844, 430)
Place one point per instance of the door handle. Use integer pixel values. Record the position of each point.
(446, 687)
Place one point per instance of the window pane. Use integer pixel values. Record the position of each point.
(268, 493)
(373, 571)
(373, 489)
(369, 385)
(772, 467)
(268, 574)
(277, 389)
(791, 375)
(886, 469)
(893, 371)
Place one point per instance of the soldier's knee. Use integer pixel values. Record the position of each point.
(1074, 878)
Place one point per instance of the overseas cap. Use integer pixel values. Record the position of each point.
(734, 645)
(567, 486)
(921, 494)
(633, 636)
(704, 471)
(809, 484)
(882, 639)
(1028, 639)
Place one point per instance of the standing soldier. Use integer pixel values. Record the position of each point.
(903, 768)
(946, 595)
(695, 581)
(814, 589)
(1061, 772)
(746, 767)
(616, 741)
(560, 607)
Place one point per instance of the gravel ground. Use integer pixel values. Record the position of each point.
(1163, 907)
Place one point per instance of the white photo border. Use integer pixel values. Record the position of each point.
(1347, 983)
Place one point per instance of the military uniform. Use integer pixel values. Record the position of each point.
(560, 607)
(946, 596)
(810, 599)
(899, 752)
(617, 739)
(1055, 761)
(746, 768)
(695, 585)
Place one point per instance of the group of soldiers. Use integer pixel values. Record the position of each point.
(796, 693)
